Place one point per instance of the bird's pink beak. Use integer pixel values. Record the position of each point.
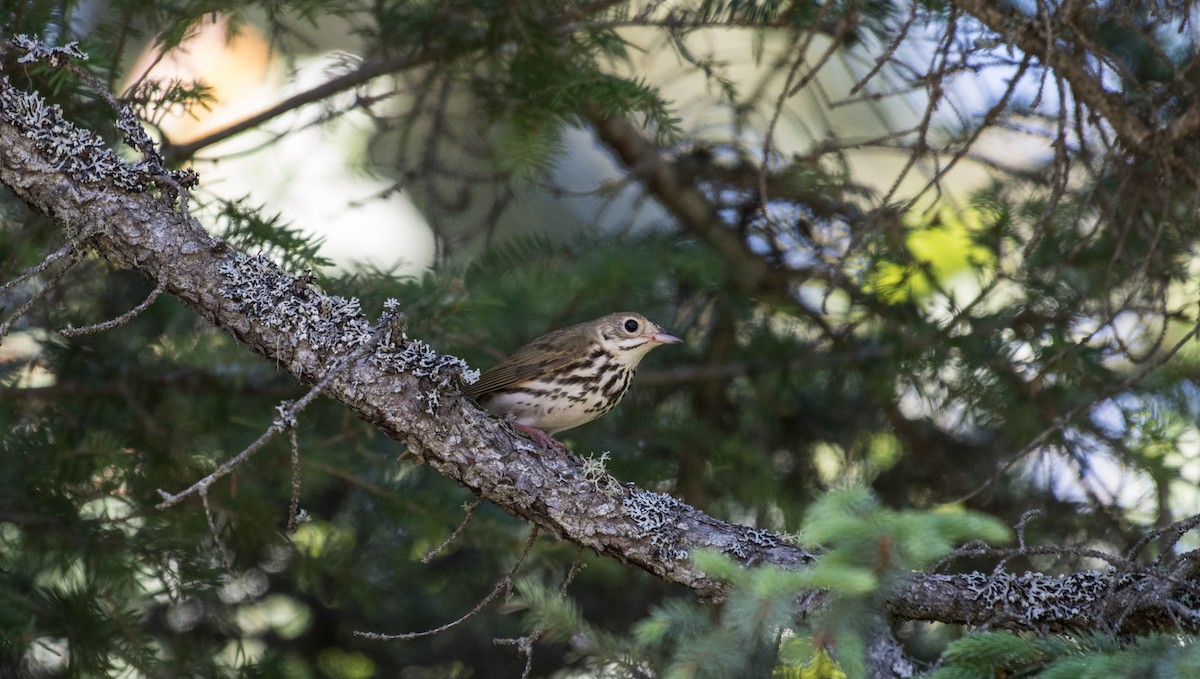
(664, 338)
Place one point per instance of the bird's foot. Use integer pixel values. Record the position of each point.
(546, 440)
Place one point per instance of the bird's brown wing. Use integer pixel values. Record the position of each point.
(544, 354)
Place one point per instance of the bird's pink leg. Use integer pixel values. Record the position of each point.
(540, 436)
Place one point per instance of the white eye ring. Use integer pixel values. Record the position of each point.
(631, 325)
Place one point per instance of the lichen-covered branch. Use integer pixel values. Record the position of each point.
(1110, 602)
(403, 386)
(409, 391)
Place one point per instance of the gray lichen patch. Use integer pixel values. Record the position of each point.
(333, 326)
(35, 50)
(78, 153)
(419, 359)
(656, 516)
(73, 151)
(292, 306)
(1036, 598)
(752, 541)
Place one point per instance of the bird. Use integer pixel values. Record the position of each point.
(570, 376)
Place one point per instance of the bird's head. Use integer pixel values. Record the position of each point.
(628, 336)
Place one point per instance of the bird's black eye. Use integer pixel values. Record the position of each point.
(631, 325)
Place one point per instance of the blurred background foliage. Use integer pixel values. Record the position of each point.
(977, 296)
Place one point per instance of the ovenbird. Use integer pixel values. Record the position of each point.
(568, 377)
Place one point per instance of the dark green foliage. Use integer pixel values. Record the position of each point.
(966, 364)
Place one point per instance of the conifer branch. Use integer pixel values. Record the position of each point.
(1048, 37)
(666, 181)
(367, 71)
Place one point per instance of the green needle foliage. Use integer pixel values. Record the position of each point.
(868, 550)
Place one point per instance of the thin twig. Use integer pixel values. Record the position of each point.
(525, 646)
(287, 416)
(212, 529)
(51, 282)
(1025, 518)
(525, 643)
(119, 320)
(469, 508)
(68, 248)
(504, 585)
(1177, 530)
(22, 310)
(577, 566)
(294, 517)
(202, 485)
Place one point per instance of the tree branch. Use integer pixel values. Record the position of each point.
(367, 71)
(408, 391)
(1051, 41)
(667, 183)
